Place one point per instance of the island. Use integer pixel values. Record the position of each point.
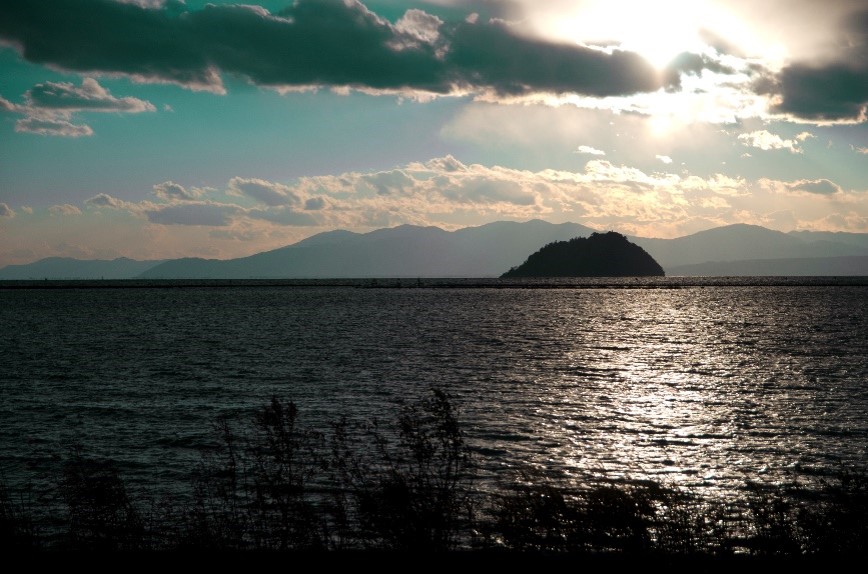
(600, 255)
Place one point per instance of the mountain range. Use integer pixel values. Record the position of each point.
(69, 268)
(484, 251)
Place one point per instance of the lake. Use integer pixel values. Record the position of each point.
(701, 383)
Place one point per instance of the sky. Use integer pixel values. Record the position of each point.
(156, 129)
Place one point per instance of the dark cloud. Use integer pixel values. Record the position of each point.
(693, 64)
(311, 43)
(492, 56)
(818, 186)
(835, 91)
(830, 93)
(217, 215)
(107, 36)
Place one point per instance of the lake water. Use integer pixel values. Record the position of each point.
(699, 383)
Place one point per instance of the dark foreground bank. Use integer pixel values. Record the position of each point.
(390, 492)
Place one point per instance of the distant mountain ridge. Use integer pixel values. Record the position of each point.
(743, 242)
(803, 266)
(403, 251)
(69, 268)
(484, 251)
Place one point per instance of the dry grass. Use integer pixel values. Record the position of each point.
(408, 486)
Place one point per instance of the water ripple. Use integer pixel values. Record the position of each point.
(699, 386)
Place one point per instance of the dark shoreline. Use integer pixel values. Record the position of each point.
(383, 492)
(395, 560)
(447, 283)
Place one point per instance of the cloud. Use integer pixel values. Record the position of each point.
(106, 200)
(169, 190)
(49, 107)
(272, 194)
(6, 211)
(284, 216)
(90, 96)
(492, 56)
(146, 3)
(603, 194)
(821, 188)
(828, 94)
(395, 182)
(446, 192)
(420, 25)
(694, 64)
(447, 163)
(65, 209)
(185, 206)
(484, 190)
(52, 126)
(209, 214)
(311, 43)
(315, 203)
(233, 234)
(585, 149)
(765, 140)
(103, 200)
(664, 158)
(849, 221)
(833, 91)
(817, 186)
(407, 194)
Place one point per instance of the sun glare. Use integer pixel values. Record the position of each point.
(660, 124)
(658, 31)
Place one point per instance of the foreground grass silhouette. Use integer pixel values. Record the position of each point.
(410, 486)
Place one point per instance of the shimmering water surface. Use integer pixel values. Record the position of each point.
(705, 384)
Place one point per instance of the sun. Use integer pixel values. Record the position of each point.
(658, 31)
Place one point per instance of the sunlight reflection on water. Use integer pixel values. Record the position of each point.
(700, 387)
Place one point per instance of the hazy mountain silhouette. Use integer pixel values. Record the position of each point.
(600, 255)
(745, 242)
(69, 268)
(829, 266)
(484, 251)
(404, 251)
(854, 239)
